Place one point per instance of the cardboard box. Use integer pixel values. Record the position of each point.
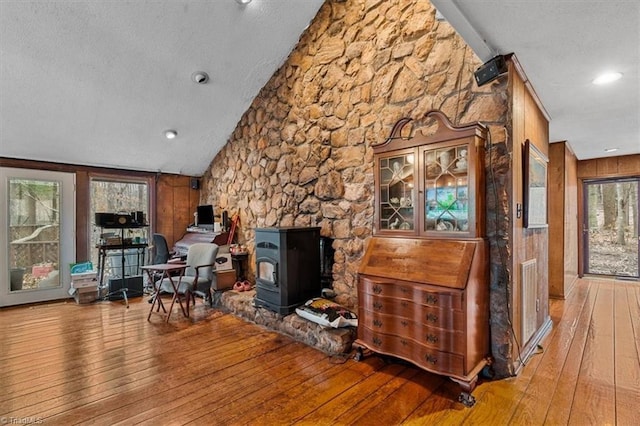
(84, 279)
(224, 280)
(223, 262)
(85, 294)
(89, 282)
(84, 275)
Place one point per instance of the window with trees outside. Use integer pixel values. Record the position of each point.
(117, 196)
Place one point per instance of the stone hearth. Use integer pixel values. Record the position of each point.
(329, 340)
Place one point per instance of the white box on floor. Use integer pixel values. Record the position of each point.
(84, 275)
(85, 294)
(84, 279)
(87, 282)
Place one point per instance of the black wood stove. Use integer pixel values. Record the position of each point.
(287, 267)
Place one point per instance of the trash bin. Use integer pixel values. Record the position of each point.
(17, 277)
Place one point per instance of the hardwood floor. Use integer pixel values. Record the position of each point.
(103, 364)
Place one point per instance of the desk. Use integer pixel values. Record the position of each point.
(170, 271)
(124, 244)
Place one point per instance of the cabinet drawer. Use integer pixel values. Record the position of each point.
(436, 317)
(438, 338)
(423, 356)
(429, 296)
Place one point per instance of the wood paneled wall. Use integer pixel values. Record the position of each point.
(609, 167)
(528, 121)
(175, 204)
(563, 219)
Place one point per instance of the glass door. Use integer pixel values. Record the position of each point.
(397, 193)
(610, 228)
(37, 231)
(446, 189)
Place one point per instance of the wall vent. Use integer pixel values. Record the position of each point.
(529, 298)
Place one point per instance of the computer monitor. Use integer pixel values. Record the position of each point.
(205, 216)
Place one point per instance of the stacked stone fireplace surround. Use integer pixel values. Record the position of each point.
(301, 154)
(282, 247)
(329, 340)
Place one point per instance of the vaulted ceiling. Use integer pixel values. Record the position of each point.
(98, 83)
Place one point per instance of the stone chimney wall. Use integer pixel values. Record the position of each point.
(301, 154)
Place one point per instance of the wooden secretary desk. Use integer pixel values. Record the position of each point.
(423, 291)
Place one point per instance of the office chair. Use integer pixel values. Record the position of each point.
(160, 249)
(161, 254)
(199, 275)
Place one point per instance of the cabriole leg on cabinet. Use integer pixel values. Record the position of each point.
(361, 352)
(465, 396)
(467, 385)
(467, 399)
(359, 355)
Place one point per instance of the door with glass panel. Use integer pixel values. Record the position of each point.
(610, 228)
(37, 233)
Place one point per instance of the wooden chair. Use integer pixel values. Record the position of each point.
(198, 276)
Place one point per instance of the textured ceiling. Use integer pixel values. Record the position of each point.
(562, 46)
(98, 82)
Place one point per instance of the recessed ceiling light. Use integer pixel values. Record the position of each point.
(610, 149)
(200, 77)
(243, 2)
(608, 77)
(170, 134)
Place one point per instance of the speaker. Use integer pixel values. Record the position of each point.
(138, 217)
(123, 219)
(132, 284)
(490, 70)
(195, 183)
(105, 219)
(225, 221)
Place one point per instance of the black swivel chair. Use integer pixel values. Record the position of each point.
(161, 255)
(160, 249)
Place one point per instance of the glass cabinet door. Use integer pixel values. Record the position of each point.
(397, 192)
(446, 191)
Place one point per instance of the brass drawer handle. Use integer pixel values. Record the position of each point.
(377, 305)
(431, 299)
(432, 338)
(404, 323)
(377, 289)
(431, 359)
(432, 318)
(377, 341)
(404, 290)
(404, 304)
(404, 342)
(377, 322)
